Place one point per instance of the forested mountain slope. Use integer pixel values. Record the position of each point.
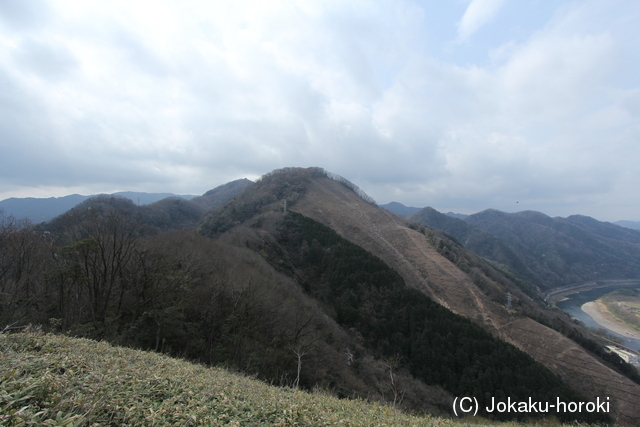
(413, 255)
(220, 195)
(547, 252)
(517, 261)
(430, 263)
(300, 280)
(576, 248)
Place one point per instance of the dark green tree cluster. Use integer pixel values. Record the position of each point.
(436, 345)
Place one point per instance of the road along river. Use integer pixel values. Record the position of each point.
(574, 302)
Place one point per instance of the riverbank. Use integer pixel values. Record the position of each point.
(601, 315)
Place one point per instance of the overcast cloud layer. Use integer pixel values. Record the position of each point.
(461, 105)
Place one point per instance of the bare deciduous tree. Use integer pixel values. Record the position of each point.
(391, 364)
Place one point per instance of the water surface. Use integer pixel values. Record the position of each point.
(574, 302)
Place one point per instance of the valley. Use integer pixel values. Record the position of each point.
(300, 280)
(584, 303)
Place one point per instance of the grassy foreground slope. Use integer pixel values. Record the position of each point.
(59, 380)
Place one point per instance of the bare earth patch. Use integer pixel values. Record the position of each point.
(603, 317)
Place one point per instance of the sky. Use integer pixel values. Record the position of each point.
(458, 105)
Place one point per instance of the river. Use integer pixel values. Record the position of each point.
(575, 301)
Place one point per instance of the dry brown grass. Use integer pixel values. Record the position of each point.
(421, 266)
(61, 381)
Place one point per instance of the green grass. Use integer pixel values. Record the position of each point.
(625, 306)
(62, 381)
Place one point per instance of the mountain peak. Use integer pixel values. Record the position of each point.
(400, 209)
(269, 193)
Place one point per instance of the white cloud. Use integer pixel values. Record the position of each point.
(156, 97)
(477, 14)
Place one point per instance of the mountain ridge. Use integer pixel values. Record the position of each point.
(244, 295)
(44, 209)
(412, 253)
(438, 277)
(39, 210)
(547, 252)
(406, 211)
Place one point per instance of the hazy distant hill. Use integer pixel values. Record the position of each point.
(43, 209)
(169, 213)
(629, 224)
(548, 252)
(456, 215)
(175, 213)
(222, 194)
(405, 211)
(40, 209)
(518, 263)
(400, 209)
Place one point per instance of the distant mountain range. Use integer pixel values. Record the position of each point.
(543, 251)
(169, 213)
(301, 280)
(45, 209)
(400, 209)
(405, 211)
(629, 224)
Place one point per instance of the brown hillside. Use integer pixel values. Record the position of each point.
(421, 266)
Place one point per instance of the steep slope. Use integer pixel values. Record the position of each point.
(281, 295)
(566, 250)
(516, 261)
(543, 251)
(59, 380)
(407, 250)
(435, 345)
(102, 271)
(413, 256)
